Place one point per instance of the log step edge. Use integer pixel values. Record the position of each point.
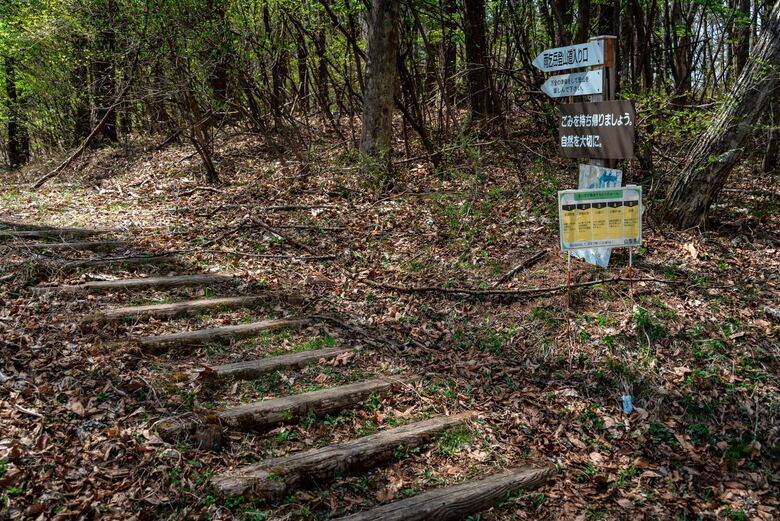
(174, 309)
(284, 409)
(160, 343)
(458, 501)
(254, 368)
(174, 281)
(276, 477)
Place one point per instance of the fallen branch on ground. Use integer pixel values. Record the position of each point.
(378, 341)
(262, 255)
(203, 188)
(255, 222)
(523, 265)
(508, 292)
(62, 166)
(297, 207)
(286, 237)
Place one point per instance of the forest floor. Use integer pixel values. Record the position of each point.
(696, 349)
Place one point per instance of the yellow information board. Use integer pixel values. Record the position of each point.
(609, 217)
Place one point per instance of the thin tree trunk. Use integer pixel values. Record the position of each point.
(771, 160)
(718, 150)
(743, 35)
(322, 73)
(81, 123)
(448, 50)
(303, 75)
(480, 85)
(563, 16)
(103, 70)
(18, 139)
(220, 51)
(380, 84)
(583, 21)
(681, 65)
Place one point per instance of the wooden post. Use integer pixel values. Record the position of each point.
(609, 84)
(608, 78)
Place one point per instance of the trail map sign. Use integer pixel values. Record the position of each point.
(571, 57)
(574, 84)
(609, 217)
(604, 129)
(592, 176)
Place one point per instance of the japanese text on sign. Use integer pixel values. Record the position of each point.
(573, 56)
(574, 84)
(558, 58)
(604, 129)
(581, 141)
(596, 120)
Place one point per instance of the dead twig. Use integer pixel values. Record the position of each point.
(197, 188)
(522, 266)
(262, 255)
(62, 166)
(268, 227)
(376, 340)
(315, 228)
(297, 207)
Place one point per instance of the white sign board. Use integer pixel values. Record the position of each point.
(571, 57)
(574, 84)
(609, 217)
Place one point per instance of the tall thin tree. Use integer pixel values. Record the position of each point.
(380, 84)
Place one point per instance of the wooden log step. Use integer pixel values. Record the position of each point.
(77, 246)
(121, 261)
(277, 477)
(258, 415)
(188, 307)
(61, 233)
(17, 225)
(458, 501)
(256, 368)
(161, 343)
(175, 281)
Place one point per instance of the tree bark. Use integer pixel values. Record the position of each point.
(563, 17)
(322, 73)
(583, 21)
(718, 150)
(103, 70)
(681, 52)
(220, 50)
(81, 122)
(380, 84)
(743, 35)
(772, 154)
(18, 139)
(303, 76)
(478, 71)
(448, 49)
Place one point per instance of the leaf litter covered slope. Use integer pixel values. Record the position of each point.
(699, 357)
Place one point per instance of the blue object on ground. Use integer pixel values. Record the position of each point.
(628, 406)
